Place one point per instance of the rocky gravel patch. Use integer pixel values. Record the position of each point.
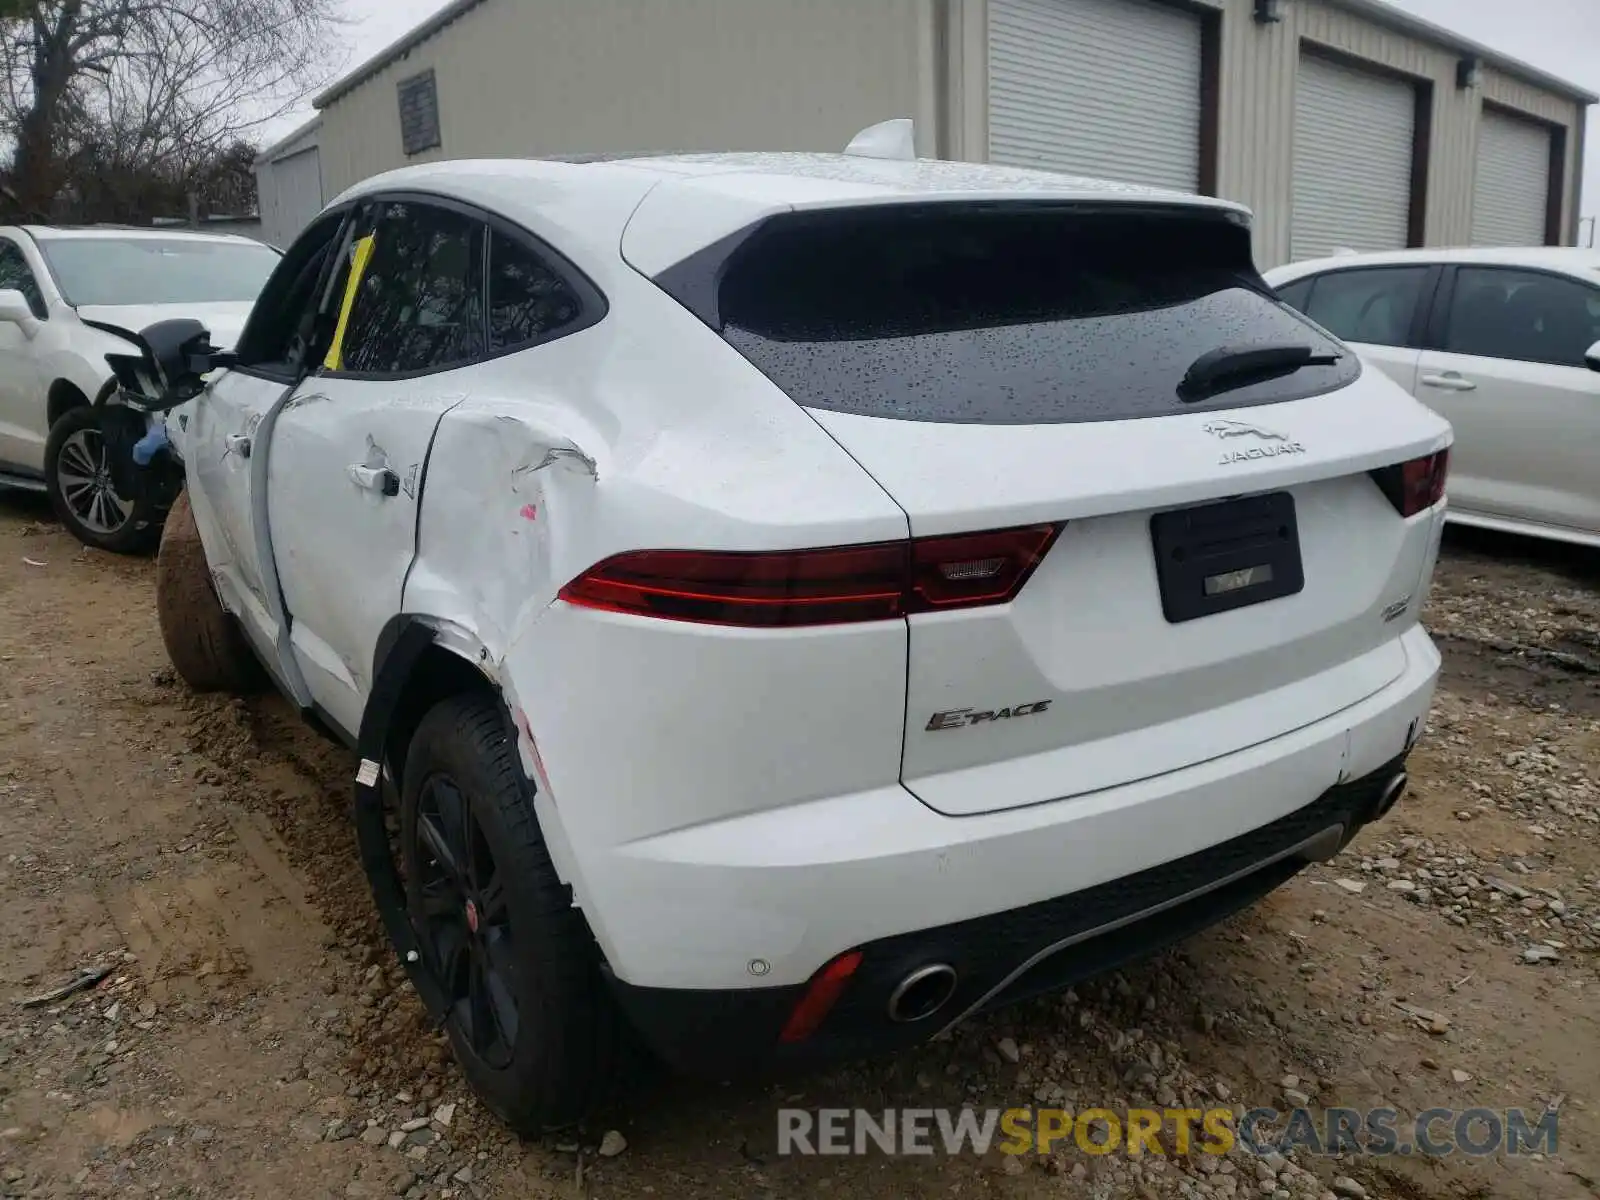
(253, 1036)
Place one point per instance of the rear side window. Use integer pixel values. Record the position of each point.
(1001, 314)
(529, 301)
(1296, 294)
(1522, 315)
(1373, 305)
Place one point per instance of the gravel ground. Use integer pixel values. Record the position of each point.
(251, 1037)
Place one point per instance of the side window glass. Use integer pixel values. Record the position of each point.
(16, 275)
(1522, 315)
(12, 267)
(417, 304)
(1374, 305)
(1297, 293)
(528, 300)
(279, 319)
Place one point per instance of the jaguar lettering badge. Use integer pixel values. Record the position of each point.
(1258, 452)
(1277, 443)
(966, 718)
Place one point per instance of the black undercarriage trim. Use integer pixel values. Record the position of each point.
(23, 478)
(372, 833)
(1073, 937)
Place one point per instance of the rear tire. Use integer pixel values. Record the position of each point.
(207, 648)
(78, 478)
(531, 1021)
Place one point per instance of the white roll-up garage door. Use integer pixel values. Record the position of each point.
(1511, 185)
(1353, 137)
(1104, 88)
(291, 195)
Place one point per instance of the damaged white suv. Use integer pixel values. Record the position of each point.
(797, 602)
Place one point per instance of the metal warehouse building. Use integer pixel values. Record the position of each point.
(1342, 123)
(289, 184)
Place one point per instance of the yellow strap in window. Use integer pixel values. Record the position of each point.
(361, 253)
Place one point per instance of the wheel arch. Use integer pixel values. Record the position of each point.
(419, 662)
(402, 680)
(63, 396)
(77, 377)
(450, 663)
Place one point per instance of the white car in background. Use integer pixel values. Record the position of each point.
(67, 299)
(793, 603)
(1505, 344)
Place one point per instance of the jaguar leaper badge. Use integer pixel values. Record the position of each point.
(1276, 443)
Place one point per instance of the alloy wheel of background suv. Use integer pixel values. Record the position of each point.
(84, 492)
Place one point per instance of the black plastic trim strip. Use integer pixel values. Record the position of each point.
(372, 835)
(1422, 314)
(114, 330)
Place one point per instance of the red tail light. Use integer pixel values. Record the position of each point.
(875, 582)
(827, 985)
(1415, 486)
(969, 569)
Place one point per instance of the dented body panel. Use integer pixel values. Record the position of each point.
(570, 460)
(561, 456)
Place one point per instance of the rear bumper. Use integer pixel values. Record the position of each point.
(1008, 956)
(712, 932)
(763, 900)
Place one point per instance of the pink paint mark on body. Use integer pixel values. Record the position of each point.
(530, 512)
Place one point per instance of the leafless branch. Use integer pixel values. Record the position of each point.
(153, 85)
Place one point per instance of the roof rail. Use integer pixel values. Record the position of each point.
(586, 156)
(69, 225)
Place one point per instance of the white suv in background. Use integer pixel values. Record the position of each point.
(68, 297)
(792, 603)
(1503, 343)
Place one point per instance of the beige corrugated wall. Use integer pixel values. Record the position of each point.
(1256, 128)
(522, 78)
(517, 77)
(1257, 104)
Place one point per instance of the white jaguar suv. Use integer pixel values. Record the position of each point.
(796, 602)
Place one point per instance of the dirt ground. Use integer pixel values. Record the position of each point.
(252, 1039)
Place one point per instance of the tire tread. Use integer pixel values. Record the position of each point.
(204, 642)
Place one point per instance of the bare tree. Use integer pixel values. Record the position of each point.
(103, 187)
(141, 85)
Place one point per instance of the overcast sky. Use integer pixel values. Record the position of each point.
(1561, 37)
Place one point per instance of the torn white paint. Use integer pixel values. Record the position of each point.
(557, 455)
(525, 475)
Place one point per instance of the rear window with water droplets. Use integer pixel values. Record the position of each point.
(1005, 314)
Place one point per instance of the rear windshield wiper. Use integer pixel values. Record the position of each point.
(1229, 367)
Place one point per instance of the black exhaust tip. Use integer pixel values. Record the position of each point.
(922, 993)
(1392, 791)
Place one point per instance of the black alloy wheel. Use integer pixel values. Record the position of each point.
(460, 910)
(529, 1015)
